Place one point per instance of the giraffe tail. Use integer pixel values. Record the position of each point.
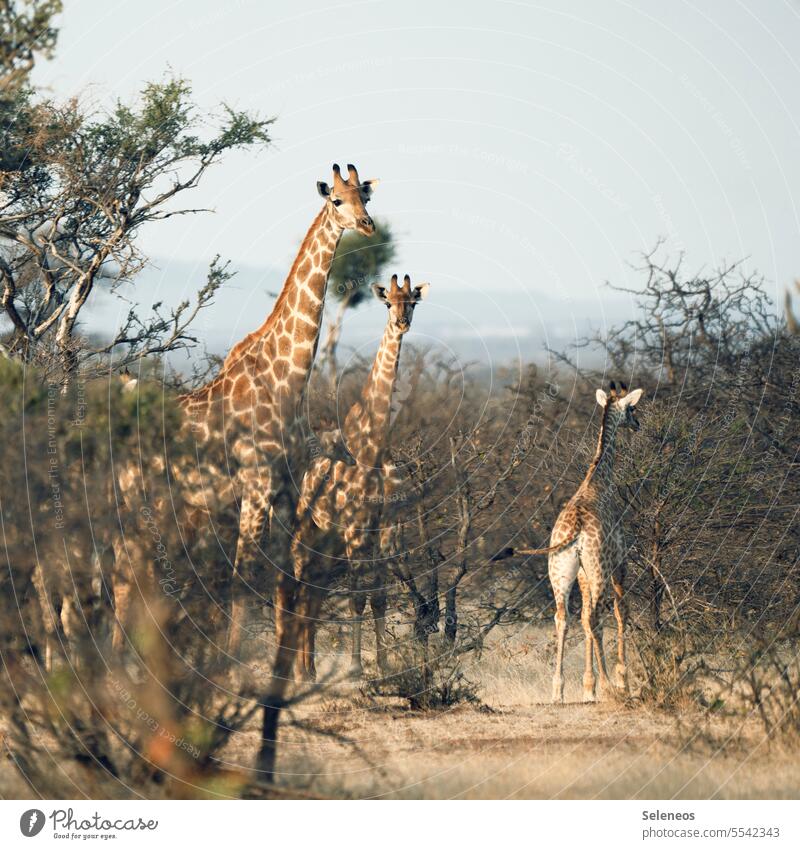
(505, 553)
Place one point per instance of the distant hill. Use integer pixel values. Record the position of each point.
(492, 327)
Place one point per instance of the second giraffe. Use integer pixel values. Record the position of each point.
(341, 507)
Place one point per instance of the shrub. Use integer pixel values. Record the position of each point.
(150, 717)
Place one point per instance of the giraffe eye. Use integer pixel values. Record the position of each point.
(337, 202)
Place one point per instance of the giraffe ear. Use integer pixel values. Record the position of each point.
(632, 398)
(324, 189)
(602, 398)
(421, 291)
(380, 293)
(368, 187)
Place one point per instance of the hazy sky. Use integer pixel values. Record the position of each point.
(527, 151)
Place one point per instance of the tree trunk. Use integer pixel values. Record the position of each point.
(462, 542)
(426, 622)
(332, 341)
(450, 615)
(286, 471)
(432, 612)
(657, 585)
(65, 342)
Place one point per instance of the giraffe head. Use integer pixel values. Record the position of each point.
(401, 300)
(620, 404)
(347, 200)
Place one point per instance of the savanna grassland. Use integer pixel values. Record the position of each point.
(513, 743)
(350, 743)
(706, 488)
(151, 704)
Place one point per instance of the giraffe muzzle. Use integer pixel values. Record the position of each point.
(366, 225)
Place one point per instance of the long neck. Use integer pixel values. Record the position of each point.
(601, 470)
(368, 422)
(291, 334)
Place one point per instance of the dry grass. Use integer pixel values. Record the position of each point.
(517, 745)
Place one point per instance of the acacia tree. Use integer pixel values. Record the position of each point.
(26, 30)
(451, 498)
(82, 187)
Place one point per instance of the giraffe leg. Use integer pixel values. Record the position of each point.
(122, 603)
(309, 616)
(592, 578)
(563, 567)
(54, 637)
(588, 670)
(596, 632)
(561, 636)
(605, 681)
(126, 552)
(377, 603)
(301, 561)
(314, 571)
(621, 615)
(79, 605)
(358, 602)
(252, 524)
(360, 559)
(50, 609)
(106, 557)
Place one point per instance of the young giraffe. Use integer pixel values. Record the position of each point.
(341, 507)
(253, 405)
(587, 544)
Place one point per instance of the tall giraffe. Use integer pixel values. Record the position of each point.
(341, 507)
(587, 543)
(253, 406)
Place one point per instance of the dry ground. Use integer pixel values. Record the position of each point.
(516, 744)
